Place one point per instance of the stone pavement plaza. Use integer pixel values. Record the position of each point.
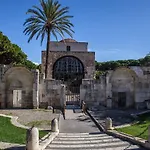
(78, 132)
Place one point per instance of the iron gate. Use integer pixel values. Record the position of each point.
(72, 95)
(70, 71)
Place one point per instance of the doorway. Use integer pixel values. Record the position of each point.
(17, 98)
(121, 99)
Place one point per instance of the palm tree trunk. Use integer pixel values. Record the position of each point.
(47, 52)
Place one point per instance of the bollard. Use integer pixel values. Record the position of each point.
(32, 139)
(108, 124)
(54, 125)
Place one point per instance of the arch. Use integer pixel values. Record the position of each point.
(18, 87)
(123, 87)
(20, 69)
(68, 68)
(123, 71)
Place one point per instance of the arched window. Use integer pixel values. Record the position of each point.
(68, 68)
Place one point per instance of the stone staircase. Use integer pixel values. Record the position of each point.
(87, 141)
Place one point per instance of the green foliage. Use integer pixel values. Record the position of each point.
(12, 54)
(50, 18)
(111, 65)
(139, 129)
(9, 133)
(98, 74)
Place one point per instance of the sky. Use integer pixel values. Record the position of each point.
(114, 29)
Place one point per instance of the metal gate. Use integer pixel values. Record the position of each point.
(70, 71)
(72, 95)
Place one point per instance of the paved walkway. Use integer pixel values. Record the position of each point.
(76, 122)
(78, 132)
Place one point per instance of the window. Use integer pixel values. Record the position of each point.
(68, 48)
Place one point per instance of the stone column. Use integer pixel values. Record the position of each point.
(62, 96)
(108, 89)
(32, 138)
(36, 89)
(3, 95)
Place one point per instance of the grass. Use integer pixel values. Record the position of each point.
(12, 134)
(39, 123)
(139, 129)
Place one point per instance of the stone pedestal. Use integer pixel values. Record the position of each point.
(32, 139)
(108, 124)
(54, 125)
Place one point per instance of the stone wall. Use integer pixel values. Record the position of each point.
(125, 87)
(17, 81)
(87, 59)
(21, 88)
(52, 93)
(93, 92)
(75, 46)
(16, 87)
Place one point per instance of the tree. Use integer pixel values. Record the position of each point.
(48, 19)
(12, 54)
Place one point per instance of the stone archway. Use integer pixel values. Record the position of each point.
(18, 88)
(70, 71)
(123, 87)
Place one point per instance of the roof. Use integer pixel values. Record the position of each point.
(68, 40)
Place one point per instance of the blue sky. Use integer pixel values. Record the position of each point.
(114, 29)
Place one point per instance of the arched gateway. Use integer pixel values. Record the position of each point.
(70, 62)
(70, 71)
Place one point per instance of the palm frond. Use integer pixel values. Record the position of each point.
(50, 16)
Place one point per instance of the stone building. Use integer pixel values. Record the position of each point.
(69, 62)
(70, 80)
(69, 55)
(125, 87)
(16, 87)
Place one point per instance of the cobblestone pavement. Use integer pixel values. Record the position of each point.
(40, 117)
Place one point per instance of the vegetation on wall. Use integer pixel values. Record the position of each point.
(12, 54)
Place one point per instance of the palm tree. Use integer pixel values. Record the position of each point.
(47, 20)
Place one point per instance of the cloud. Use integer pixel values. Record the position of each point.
(36, 63)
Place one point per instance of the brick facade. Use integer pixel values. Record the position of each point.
(87, 59)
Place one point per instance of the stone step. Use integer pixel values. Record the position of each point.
(87, 141)
(91, 146)
(70, 135)
(84, 141)
(83, 138)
